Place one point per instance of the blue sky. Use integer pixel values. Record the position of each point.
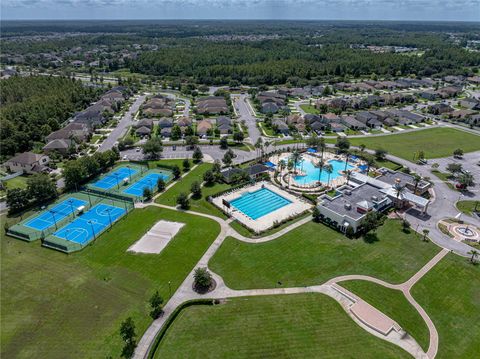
(457, 10)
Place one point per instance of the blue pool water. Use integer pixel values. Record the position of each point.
(312, 172)
(259, 203)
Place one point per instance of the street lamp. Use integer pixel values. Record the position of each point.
(170, 288)
(93, 229)
(53, 216)
(71, 206)
(109, 217)
(129, 173)
(116, 177)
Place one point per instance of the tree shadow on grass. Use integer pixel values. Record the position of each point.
(370, 238)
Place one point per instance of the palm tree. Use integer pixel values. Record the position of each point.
(474, 254)
(347, 154)
(348, 173)
(416, 181)
(370, 162)
(290, 167)
(321, 146)
(399, 189)
(282, 164)
(329, 169)
(267, 144)
(296, 157)
(259, 145)
(320, 165)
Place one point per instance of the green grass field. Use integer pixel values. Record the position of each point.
(450, 294)
(393, 303)
(169, 197)
(435, 142)
(314, 253)
(309, 109)
(468, 207)
(286, 326)
(71, 306)
(201, 204)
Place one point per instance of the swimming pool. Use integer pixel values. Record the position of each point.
(259, 203)
(312, 172)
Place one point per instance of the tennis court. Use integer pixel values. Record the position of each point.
(49, 217)
(90, 224)
(148, 181)
(114, 178)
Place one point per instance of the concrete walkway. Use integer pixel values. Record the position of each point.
(331, 288)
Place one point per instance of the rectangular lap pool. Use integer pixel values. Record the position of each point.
(259, 203)
(149, 181)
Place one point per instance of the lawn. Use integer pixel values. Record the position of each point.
(309, 109)
(169, 162)
(249, 234)
(308, 325)
(17, 182)
(203, 206)
(71, 306)
(313, 253)
(450, 294)
(169, 198)
(435, 142)
(393, 303)
(468, 207)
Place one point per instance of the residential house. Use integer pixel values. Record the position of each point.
(165, 122)
(224, 125)
(439, 108)
(212, 105)
(353, 123)
(80, 132)
(61, 146)
(203, 127)
(28, 162)
(369, 119)
(280, 126)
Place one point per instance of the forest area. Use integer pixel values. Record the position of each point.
(34, 106)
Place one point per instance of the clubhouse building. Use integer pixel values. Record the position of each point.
(351, 202)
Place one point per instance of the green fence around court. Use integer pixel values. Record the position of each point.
(66, 246)
(21, 231)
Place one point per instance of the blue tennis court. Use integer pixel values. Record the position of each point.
(113, 178)
(90, 224)
(149, 181)
(55, 214)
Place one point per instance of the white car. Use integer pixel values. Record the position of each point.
(125, 157)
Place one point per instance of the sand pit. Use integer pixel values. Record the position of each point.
(157, 238)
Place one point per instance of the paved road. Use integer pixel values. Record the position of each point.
(122, 126)
(245, 113)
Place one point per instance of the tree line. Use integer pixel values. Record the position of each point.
(33, 107)
(274, 62)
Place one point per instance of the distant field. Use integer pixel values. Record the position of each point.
(71, 306)
(285, 326)
(435, 142)
(313, 253)
(450, 294)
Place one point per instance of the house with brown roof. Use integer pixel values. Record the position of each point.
(203, 127)
(28, 162)
(62, 146)
(212, 105)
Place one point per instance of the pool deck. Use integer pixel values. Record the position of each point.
(296, 207)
